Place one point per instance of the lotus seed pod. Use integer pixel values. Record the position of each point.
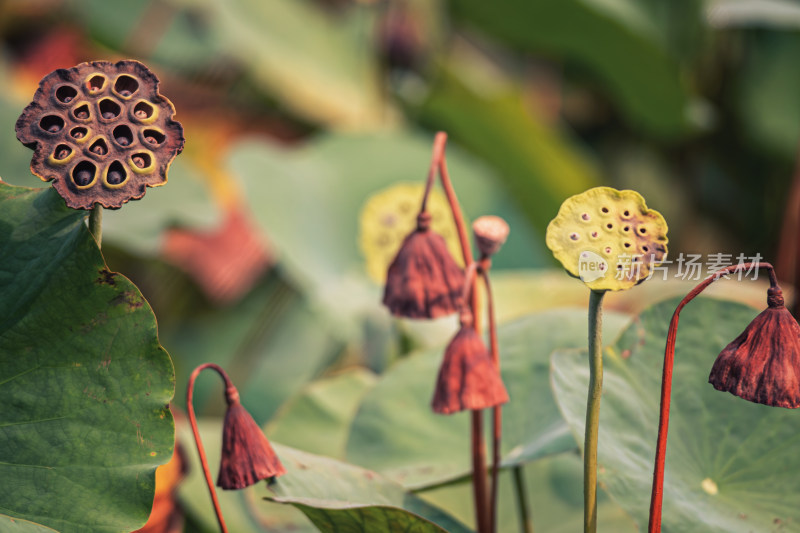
(608, 238)
(491, 233)
(101, 132)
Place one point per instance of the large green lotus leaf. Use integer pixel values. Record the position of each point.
(538, 163)
(731, 465)
(337, 496)
(396, 433)
(615, 39)
(15, 525)
(308, 201)
(85, 383)
(318, 418)
(554, 488)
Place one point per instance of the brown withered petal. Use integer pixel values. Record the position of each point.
(247, 456)
(101, 132)
(467, 378)
(424, 280)
(763, 364)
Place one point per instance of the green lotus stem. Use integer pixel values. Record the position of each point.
(593, 411)
(525, 523)
(96, 223)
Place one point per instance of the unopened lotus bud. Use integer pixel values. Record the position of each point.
(491, 233)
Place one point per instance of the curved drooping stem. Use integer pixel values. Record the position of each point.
(196, 434)
(438, 154)
(656, 496)
(593, 411)
(478, 444)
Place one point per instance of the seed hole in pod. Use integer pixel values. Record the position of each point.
(608, 249)
(574, 236)
(602, 266)
(585, 216)
(81, 112)
(609, 225)
(626, 228)
(78, 133)
(594, 234)
(645, 249)
(619, 267)
(51, 123)
(604, 210)
(83, 173)
(626, 213)
(116, 173)
(627, 245)
(61, 152)
(126, 85)
(66, 93)
(143, 111)
(154, 137)
(642, 230)
(96, 83)
(99, 147)
(123, 135)
(142, 160)
(109, 109)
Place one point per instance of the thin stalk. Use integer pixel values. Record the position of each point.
(196, 434)
(525, 524)
(497, 411)
(593, 411)
(476, 429)
(656, 496)
(96, 223)
(439, 143)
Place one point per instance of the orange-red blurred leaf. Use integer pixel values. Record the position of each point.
(166, 516)
(225, 262)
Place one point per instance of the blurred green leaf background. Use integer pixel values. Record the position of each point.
(297, 111)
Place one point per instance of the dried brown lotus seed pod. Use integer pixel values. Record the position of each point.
(101, 132)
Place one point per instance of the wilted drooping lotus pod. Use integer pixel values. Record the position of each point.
(468, 379)
(247, 456)
(762, 365)
(424, 280)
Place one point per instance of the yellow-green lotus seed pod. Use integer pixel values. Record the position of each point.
(608, 238)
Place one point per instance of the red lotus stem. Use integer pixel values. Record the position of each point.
(497, 411)
(476, 430)
(656, 496)
(196, 434)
